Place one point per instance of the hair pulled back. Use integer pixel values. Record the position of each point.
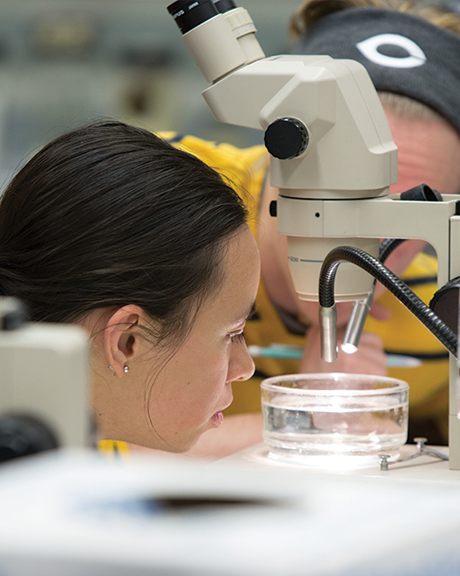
(109, 215)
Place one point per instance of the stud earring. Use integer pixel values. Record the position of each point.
(110, 368)
(125, 369)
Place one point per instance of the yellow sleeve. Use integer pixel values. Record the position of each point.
(113, 448)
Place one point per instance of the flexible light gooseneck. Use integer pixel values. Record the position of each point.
(394, 284)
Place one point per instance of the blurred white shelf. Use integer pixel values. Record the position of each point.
(77, 514)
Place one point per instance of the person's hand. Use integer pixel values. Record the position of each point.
(370, 357)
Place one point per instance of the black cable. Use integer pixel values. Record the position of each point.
(394, 284)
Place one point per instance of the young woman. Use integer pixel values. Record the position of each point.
(110, 227)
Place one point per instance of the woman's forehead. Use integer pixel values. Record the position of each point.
(241, 270)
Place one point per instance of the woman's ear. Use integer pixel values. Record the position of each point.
(120, 338)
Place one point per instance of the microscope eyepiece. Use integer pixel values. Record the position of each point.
(224, 5)
(191, 13)
(219, 35)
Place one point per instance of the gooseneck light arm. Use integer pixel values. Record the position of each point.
(361, 308)
(394, 284)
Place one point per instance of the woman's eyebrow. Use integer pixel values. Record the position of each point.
(252, 312)
(249, 314)
(245, 316)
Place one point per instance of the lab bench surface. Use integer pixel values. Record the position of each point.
(422, 468)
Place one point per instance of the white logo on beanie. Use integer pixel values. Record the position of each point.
(369, 49)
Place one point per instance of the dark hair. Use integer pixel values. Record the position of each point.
(109, 215)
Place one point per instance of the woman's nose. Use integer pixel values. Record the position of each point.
(241, 366)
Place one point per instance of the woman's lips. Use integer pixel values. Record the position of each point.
(217, 419)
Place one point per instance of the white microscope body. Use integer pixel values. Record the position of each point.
(44, 376)
(332, 157)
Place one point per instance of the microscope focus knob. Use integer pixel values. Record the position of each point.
(286, 138)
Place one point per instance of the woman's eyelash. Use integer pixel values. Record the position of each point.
(237, 337)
